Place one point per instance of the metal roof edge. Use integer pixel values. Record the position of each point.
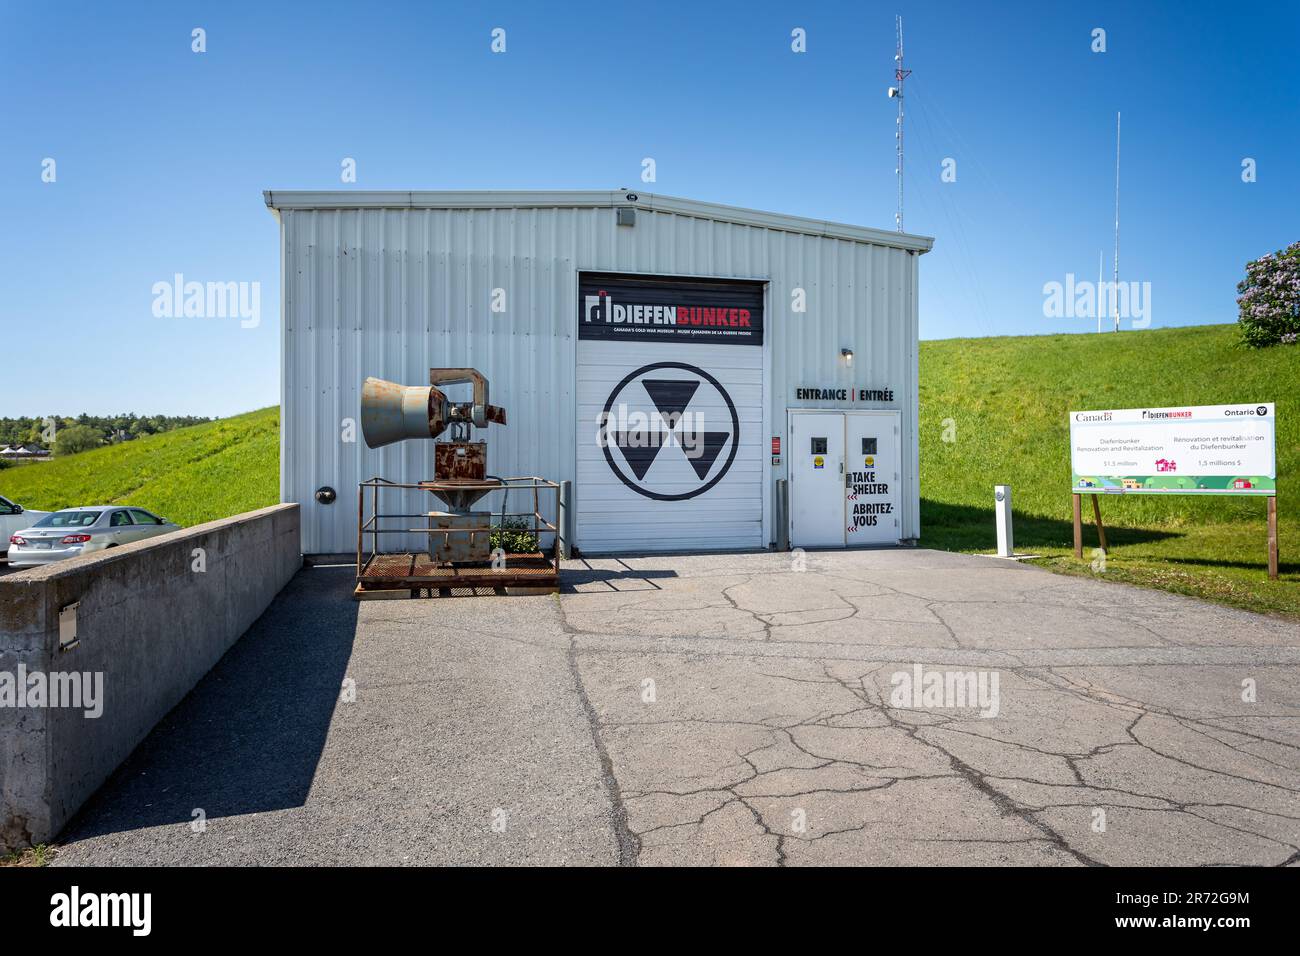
(278, 199)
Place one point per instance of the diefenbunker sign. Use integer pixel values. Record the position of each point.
(1198, 449)
(625, 308)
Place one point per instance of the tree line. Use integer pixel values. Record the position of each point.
(67, 436)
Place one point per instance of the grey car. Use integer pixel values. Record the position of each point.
(75, 531)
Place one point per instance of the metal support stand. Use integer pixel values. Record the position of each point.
(457, 556)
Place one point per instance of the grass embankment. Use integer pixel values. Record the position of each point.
(1008, 399)
(189, 475)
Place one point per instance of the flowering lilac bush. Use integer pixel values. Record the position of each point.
(1269, 302)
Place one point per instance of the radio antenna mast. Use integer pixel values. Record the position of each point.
(1115, 290)
(1101, 258)
(896, 92)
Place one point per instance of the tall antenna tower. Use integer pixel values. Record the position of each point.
(1115, 293)
(1101, 258)
(896, 92)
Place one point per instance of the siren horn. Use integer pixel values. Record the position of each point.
(392, 412)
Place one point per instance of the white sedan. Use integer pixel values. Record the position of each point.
(14, 517)
(75, 531)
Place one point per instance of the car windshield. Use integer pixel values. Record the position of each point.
(69, 519)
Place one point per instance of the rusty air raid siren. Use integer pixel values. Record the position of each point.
(392, 413)
(459, 537)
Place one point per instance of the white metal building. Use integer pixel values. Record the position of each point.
(671, 358)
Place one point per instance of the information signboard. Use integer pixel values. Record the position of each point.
(1199, 449)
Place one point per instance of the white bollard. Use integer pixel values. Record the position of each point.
(1002, 498)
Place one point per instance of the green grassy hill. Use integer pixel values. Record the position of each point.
(1008, 399)
(189, 475)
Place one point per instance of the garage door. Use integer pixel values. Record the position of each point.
(670, 414)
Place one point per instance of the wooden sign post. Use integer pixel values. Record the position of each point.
(1101, 531)
(1272, 537)
(1078, 525)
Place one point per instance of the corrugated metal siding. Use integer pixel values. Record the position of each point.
(393, 292)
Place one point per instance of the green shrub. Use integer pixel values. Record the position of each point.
(513, 537)
(1269, 302)
(75, 439)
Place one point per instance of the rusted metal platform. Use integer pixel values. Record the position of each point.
(403, 575)
(458, 558)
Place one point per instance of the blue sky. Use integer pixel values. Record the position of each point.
(162, 154)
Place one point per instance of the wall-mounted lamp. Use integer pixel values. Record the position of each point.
(847, 354)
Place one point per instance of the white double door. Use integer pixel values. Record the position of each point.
(844, 469)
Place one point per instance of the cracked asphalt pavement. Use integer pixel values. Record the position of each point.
(729, 709)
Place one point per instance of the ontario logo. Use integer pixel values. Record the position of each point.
(669, 431)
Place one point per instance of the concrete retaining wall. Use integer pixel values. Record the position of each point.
(151, 623)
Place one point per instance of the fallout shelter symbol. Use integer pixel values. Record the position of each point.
(664, 429)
